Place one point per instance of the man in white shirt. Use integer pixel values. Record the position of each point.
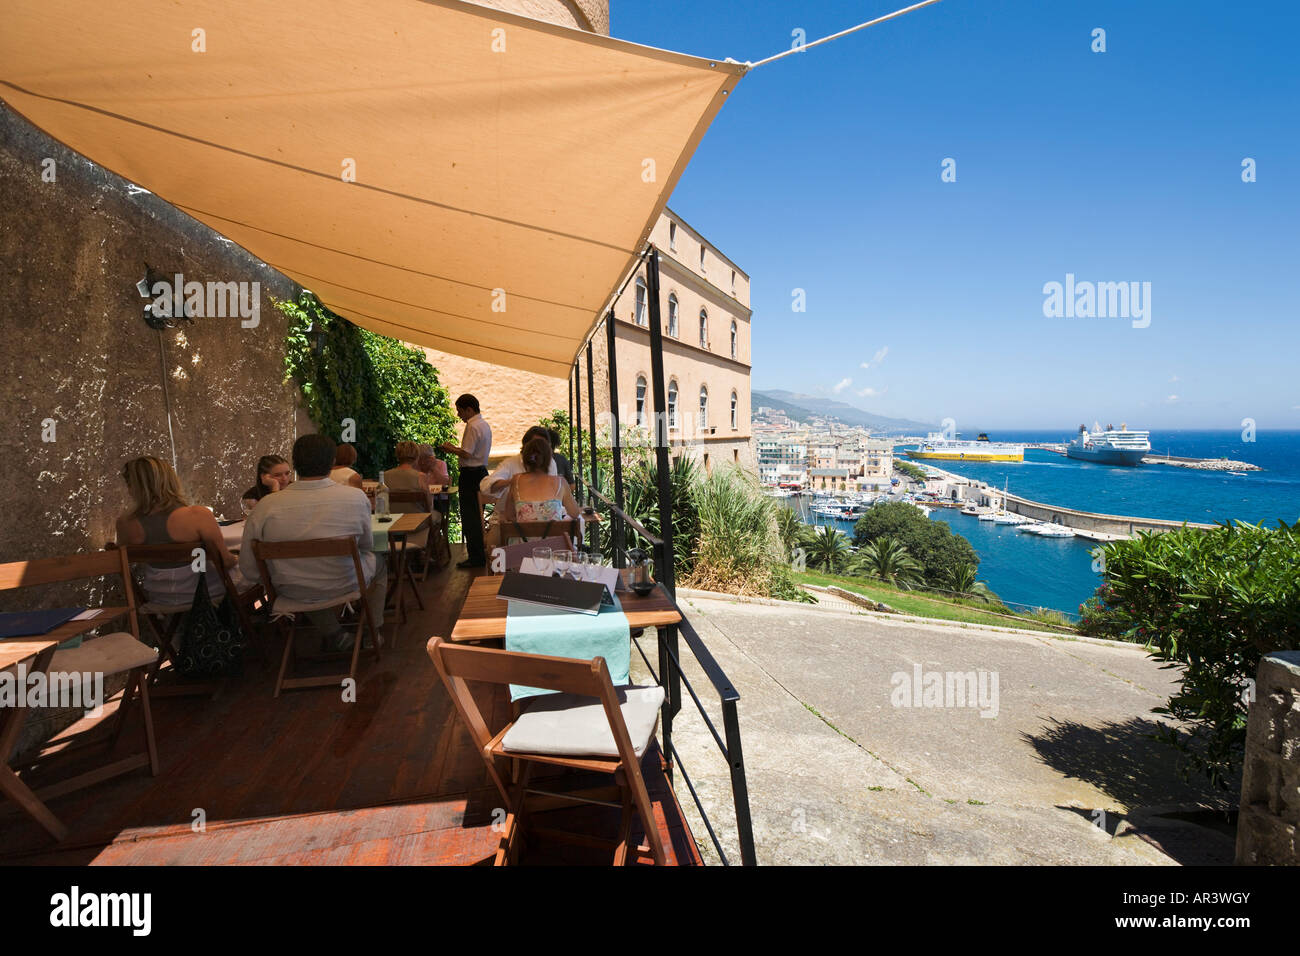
(473, 452)
(316, 507)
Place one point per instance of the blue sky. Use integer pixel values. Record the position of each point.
(823, 173)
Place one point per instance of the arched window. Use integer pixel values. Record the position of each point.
(672, 404)
(640, 301)
(672, 314)
(733, 338)
(704, 406)
(704, 328)
(640, 401)
(735, 405)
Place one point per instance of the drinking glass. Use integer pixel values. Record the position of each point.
(579, 563)
(563, 560)
(595, 560)
(544, 560)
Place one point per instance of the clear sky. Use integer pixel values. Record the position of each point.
(823, 170)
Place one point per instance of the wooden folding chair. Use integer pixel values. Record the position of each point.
(589, 725)
(107, 654)
(164, 619)
(282, 608)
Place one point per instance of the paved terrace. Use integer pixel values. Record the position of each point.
(1065, 773)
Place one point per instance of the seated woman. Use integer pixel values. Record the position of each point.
(406, 477)
(536, 494)
(345, 456)
(436, 475)
(273, 474)
(161, 515)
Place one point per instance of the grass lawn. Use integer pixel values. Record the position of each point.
(924, 605)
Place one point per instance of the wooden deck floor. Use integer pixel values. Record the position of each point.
(308, 779)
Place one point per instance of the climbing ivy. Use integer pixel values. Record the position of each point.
(387, 388)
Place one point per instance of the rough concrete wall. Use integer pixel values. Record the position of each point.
(77, 351)
(589, 15)
(1268, 825)
(512, 400)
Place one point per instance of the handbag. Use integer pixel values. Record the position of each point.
(212, 641)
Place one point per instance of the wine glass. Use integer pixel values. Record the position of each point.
(580, 566)
(563, 559)
(543, 560)
(595, 561)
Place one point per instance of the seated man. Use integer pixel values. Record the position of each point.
(495, 485)
(316, 507)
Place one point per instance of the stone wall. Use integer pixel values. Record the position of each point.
(1268, 825)
(78, 354)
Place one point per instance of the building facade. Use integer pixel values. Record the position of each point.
(704, 309)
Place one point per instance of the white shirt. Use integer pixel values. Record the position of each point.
(477, 442)
(514, 465)
(311, 508)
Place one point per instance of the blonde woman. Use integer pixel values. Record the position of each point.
(162, 515)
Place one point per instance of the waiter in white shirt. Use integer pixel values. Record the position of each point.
(473, 452)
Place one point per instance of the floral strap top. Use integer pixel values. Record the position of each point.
(549, 509)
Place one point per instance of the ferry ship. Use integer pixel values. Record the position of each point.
(1110, 447)
(936, 446)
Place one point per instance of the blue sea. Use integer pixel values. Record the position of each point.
(1057, 572)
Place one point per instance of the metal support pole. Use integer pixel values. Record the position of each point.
(577, 424)
(570, 418)
(665, 572)
(739, 785)
(617, 531)
(591, 434)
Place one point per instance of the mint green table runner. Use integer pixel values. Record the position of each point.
(557, 633)
(380, 531)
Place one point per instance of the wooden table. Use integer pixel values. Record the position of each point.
(401, 527)
(483, 615)
(70, 629)
(14, 651)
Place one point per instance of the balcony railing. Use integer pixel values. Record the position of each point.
(670, 676)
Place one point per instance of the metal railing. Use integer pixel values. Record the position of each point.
(670, 676)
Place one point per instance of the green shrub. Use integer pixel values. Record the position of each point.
(1214, 601)
(932, 543)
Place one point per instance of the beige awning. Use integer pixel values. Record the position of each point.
(507, 171)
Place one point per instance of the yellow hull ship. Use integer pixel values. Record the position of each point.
(939, 448)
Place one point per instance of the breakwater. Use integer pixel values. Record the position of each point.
(1092, 524)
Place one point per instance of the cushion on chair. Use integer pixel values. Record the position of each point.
(572, 726)
(284, 605)
(110, 654)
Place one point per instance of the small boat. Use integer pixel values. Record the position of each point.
(1007, 517)
(1048, 530)
(970, 510)
(987, 516)
(1031, 526)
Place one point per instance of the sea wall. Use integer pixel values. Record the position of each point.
(1268, 825)
(983, 495)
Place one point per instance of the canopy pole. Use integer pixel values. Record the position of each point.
(842, 33)
(616, 440)
(577, 423)
(591, 419)
(666, 576)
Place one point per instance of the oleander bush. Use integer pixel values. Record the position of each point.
(1215, 602)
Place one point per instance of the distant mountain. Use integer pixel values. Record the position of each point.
(803, 407)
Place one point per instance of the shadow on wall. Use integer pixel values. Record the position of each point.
(83, 375)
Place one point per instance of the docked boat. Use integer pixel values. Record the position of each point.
(1006, 517)
(1110, 446)
(938, 447)
(1049, 530)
